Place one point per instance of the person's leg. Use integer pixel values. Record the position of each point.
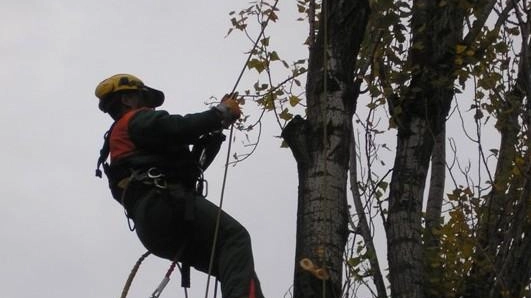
(159, 223)
(233, 263)
(163, 231)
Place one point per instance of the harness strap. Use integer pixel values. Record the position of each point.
(185, 275)
(104, 151)
(124, 184)
(189, 217)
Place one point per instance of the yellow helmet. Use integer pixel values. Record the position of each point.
(124, 82)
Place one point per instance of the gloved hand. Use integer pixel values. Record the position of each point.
(229, 109)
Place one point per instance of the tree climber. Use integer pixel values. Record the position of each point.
(158, 180)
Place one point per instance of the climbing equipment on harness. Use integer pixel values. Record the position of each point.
(164, 281)
(104, 152)
(206, 148)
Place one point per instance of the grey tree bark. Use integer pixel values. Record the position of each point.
(433, 219)
(424, 105)
(320, 145)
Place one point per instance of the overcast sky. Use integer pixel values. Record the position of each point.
(62, 234)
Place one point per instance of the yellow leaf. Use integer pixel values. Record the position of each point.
(516, 171)
(459, 49)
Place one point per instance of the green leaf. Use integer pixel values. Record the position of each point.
(355, 261)
(273, 56)
(267, 101)
(383, 185)
(285, 115)
(259, 65)
(294, 100)
(418, 45)
(273, 16)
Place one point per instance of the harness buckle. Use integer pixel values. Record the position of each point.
(158, 178)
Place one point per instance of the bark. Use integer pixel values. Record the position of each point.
(404, 229)
(363, 225)
(515, 266)
(436, 191)
(437, 29)
(320, 145)
(433, 216)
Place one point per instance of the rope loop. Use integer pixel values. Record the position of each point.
(133, 273)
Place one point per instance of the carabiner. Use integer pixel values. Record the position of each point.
(160, 182)
(154, 173)
(202, 187)
(160, 288)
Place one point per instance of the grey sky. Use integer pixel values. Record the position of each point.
(62, 234)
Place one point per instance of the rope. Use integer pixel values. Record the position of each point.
(227, 159)
(133, 273)
(264, 25)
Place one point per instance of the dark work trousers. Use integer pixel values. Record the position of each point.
(159, 215)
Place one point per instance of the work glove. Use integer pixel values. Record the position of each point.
(229, 109)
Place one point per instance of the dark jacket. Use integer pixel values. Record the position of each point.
(146, 138)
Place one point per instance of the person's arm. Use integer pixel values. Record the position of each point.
(159, 128)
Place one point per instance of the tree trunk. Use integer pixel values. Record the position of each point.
(404, 229)
(434, 276)
(436, 190)
(503, 260)
(437, 28)
(320, 146)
